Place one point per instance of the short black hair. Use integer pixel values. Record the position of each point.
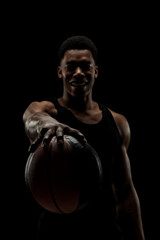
(78, 42)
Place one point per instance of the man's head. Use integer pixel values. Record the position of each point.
(78, 68)
(79, 43)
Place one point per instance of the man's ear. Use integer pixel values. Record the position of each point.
(59, 72)
(96, 71)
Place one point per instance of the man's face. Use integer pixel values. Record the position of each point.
(78, 71)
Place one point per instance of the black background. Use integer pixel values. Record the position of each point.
(126, 37)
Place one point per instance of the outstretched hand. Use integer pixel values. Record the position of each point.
(59, 130)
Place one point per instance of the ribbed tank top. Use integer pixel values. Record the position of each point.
(104, 138)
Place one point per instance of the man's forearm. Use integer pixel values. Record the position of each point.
(129, 213)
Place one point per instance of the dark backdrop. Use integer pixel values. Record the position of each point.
(126, 45)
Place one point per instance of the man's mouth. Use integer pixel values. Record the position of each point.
(78, 83)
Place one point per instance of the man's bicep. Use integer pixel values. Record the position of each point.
(122, 177)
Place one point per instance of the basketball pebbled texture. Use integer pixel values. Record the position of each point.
(64, 178)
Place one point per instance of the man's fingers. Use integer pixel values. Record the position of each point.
(59, 135)
(47, 137)
(35, 144)
(50, 133)
(77, 134)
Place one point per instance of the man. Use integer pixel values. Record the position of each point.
(116, 214)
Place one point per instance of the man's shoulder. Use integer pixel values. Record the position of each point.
(118, 117)
(122, 125)
(44, 106)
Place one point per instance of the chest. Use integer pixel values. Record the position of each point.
(88, 117)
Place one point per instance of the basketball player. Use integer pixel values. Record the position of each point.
(116, 215)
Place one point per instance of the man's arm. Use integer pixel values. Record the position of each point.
(40, 124)
(128, 206)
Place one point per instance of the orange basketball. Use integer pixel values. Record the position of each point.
(64, 178)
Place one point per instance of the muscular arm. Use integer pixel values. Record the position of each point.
(40, 124)
(128, 206)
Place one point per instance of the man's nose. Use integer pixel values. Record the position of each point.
(79, 71)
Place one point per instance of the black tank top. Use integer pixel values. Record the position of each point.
(104, 138)
(98, 219)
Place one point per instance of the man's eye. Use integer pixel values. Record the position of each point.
(70, 67)
(86, 67)
(83, 66)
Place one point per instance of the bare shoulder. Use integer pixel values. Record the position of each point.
(123, 127)
(42, 106)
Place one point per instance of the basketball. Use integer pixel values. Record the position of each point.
(64, 178)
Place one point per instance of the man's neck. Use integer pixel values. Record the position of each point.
(77, 104)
